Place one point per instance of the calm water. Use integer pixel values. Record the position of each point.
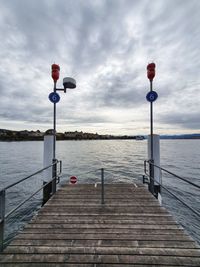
(123, 160)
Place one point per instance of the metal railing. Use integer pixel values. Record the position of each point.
(164, 187)
(102, 182)
(103, 172)
(4, 215)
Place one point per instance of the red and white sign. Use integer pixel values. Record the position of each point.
(73, 180)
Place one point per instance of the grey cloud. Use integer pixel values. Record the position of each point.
(118, 90)
(118, 96)
(21, 109)
(185, 120)
(80, 120)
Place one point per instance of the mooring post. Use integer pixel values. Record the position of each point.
(156, 181)
(47, 159)
(46, 192)
(2, 218)
(102, 186)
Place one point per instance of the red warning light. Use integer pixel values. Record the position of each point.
(151, 71)
(55, 72)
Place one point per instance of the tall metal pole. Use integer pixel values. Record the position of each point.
(151, 186)
(54, 170)
(54, 124)
(151, 120)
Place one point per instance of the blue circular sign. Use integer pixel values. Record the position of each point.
(151, 96)
(54, 97)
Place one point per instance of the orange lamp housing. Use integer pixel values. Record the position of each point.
(55, 72)
(151, 71)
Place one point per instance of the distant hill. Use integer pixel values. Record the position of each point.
(181, 136)
(8, 135)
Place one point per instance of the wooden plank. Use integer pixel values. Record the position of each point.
(104, 212)
(75, 204)
(97, 225)
(96, 216)
(104, 236)
(96, 258)
(106, 243)
(103, 251)
(103, 231)
(39, 264)
(80, 222)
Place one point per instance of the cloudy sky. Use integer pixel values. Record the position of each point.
(105, 45)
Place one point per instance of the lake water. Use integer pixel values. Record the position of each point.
(122, 160)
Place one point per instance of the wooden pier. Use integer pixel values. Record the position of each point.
(75, 229)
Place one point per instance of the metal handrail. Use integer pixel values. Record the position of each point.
(102, 181)
(27, 199)
(35, 173)
(192, 209)
(188, 206)
(175, 175)
(4, 216)
(162, 186)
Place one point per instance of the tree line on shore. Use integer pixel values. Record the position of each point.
(9, 135)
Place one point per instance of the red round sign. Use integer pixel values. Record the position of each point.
(73, 180)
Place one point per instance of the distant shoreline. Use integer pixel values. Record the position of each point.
(8, 135)
(15, 136)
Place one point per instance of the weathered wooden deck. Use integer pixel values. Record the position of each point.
(74, 229)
